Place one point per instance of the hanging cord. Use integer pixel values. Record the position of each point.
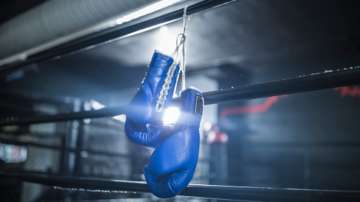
(179, 59)
(180, 50)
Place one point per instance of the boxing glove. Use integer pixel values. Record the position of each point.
(172, 164)
(143, 124)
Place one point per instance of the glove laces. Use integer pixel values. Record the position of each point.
(179, 59)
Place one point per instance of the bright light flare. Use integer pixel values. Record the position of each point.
(98, 105)
(171, 116)
(121, 118)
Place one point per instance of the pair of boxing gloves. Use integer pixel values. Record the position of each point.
(173, 162)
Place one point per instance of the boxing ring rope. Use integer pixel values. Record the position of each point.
(303, 83)
(243, 193)
(55, 147)
(103, 36)
(12, 141)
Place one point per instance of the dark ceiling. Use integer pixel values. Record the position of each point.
(271, 39)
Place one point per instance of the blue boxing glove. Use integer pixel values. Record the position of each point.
(143, 124)
(172, 165)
